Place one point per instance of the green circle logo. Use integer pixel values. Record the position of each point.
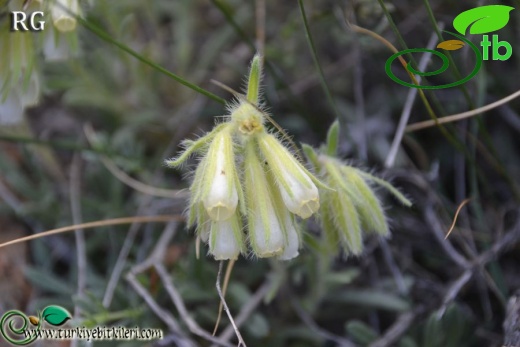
(445, 65)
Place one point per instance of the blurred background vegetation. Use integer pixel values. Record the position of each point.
(414, 289)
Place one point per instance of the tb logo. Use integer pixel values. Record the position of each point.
(480, 20)
(496, 45)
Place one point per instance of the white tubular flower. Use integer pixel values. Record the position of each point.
(290, 231)
(266, 233)
(219, 193)
(292, 240)
(63, 12)
(225, 239)
(299, 193)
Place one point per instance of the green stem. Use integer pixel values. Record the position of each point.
(57, 144)
(104, 36)
(312, 47)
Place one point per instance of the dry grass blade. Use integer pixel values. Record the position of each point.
(464, 202)
(241, 342)
(463, 115)
(229, 268)
(97, 224)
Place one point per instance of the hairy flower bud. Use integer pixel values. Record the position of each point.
(265, 229)
(299, 193)
(219, 194)
(292, 240)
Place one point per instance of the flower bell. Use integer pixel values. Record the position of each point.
(64, 14)
(220, 197)
(225, 238)
(266, 233)
(299, 193)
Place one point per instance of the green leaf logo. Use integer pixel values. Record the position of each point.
(483, 19)
(55, 315)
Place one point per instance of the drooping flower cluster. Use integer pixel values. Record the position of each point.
(248, 185)
(351, 206)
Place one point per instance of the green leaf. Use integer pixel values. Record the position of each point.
(360, 332)
(258, 326)
(407, 341)
(483, 19)
(456, 327)
(434, 332)
(371, 298)
(397, 194)
(311, 155)
(332, 139)
(55, 315)
(108, 38)
(255, 77)
(370, 210)
(47, 281)
(342, 277)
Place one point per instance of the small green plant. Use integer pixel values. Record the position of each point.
(247, 174)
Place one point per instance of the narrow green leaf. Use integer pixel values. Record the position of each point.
(333, 139)
(396, 193)
(348, 222)
(312, 47)
(47, 281)
(328, 228)
(255, 77)
(370, 298)
(482, 19)
(407, 341)
(433, 332)
(108, 38)
(55, 315)
(342, 277)
(361, 332)
(192, 147)
(258, 326)
(370, 211)
(311, 155)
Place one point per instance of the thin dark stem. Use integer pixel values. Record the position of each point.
(317, 64)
